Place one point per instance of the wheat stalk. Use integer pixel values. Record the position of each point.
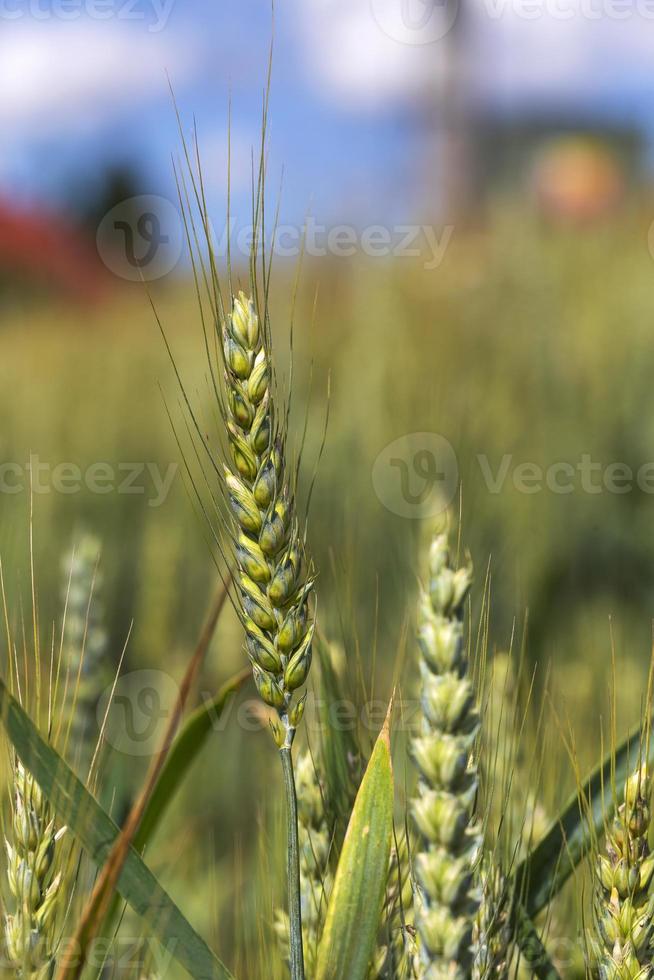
(35, 882)
(624, 906)
(316, 877)
(443, 808)
(393, 959)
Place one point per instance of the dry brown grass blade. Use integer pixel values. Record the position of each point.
(98, 904)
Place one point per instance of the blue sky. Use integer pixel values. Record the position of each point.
(83, 84)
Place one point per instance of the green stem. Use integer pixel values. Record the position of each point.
(293, 867)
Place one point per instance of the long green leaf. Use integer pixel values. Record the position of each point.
(357, 899)
(184, 750)
(543, 873)
(183, 753)
(532, 947)
(338, 749)
(96, 831)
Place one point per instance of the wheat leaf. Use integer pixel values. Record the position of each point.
(97, 832)
(183, 753)
(533, 950)
(543, 873)
(349, 937)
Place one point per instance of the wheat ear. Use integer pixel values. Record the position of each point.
(493, 934)
(624, 905)
(84, 649)
(397, 960)
(34, 881)
(443, 809)
(275, 592)
(275, 587)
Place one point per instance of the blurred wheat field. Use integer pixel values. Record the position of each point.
(527, 340)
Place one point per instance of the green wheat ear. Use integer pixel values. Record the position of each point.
(35, 883)
(275, 587)
(493, 933)
(84, 650)
(623, 904)
(450, 839)
(399, 955)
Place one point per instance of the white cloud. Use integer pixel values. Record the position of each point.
(58, 78)
(376, 52)
(560, 52)
(351, 54)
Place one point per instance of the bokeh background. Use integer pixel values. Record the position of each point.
(475, 183)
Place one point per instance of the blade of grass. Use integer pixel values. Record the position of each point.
(97, 832)
(532, 947)
(338, 746)
(99, 902)
(183, 753)
(357, 899)
(544, 871)
(185, 749)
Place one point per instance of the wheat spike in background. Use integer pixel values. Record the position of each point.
(34, 880)
(624, 905)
